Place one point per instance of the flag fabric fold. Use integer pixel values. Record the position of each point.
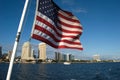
(56, 27)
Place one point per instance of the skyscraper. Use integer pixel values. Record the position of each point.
(26, 52)
(42, 51)
(67, 57)
(58, 56)
(71, 57)
(9, 55)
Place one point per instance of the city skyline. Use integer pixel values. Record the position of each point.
(34, 50)
(100, 20)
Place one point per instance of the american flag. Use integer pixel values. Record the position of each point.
(56, 27)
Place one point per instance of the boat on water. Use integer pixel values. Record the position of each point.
(66, 63)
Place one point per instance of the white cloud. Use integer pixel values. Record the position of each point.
(79, 10)
(68, 2)
(75, 9)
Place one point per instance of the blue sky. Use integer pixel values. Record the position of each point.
(100, 20)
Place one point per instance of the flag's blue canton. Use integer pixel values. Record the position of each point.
(48, 8)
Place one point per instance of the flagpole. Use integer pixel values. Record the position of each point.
(17, 40)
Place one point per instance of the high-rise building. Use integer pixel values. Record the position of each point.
(26, 52)
(42, 51)
(58, 56)
(32, 53)
(9, 55)
(64, 57)
(0, 51)
(71, 57)
(67, 57)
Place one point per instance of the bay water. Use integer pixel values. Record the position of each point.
(59, 71)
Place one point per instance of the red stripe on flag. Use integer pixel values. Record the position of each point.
(53, 37)
(53, 27)
(69, 19)
(51, 44)
(68, 25)
(68, 31)
(44, 40)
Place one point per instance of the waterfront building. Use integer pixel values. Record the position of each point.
(26, 52)
(33, 53)
(96, 57)
(42, 51)
(64, 57)
(0, 51)
(9, 55)
(58, 56)
(67, 57)
(71, 57)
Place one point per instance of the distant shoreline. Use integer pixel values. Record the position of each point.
(56, 62)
